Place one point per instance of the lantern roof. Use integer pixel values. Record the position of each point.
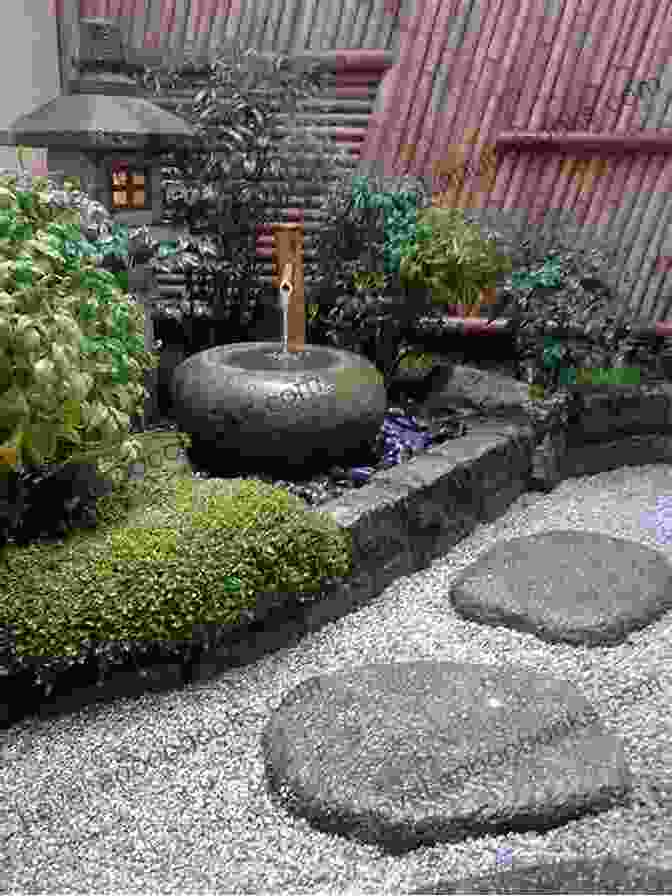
(104, 112)
(99, 122)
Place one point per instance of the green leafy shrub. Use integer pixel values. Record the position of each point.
(452, 258)
(72, 353)
(163, 582)
(49, 500)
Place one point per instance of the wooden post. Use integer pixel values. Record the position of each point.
(289, 251)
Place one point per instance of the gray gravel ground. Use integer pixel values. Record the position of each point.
(166, 793)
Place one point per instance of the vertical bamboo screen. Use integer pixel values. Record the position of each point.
(466, 71)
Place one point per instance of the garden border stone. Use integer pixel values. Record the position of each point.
(400, 521)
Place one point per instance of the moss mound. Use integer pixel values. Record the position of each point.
(165, 557)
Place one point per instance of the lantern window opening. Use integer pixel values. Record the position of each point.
(129, 187)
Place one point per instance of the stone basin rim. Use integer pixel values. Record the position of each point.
(267, 357)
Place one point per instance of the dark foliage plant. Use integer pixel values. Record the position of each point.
(49, 501)
(210, 279)
(240, 169)
(565, 306)
(357, 300)
(391, 216)
(364, 222)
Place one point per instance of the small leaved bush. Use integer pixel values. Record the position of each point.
(202, 564)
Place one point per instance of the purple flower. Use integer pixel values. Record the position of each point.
(660, 519)
(504, 856)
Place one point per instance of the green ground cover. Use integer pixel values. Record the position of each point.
(169, 553)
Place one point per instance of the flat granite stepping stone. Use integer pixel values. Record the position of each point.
(579, 876)
(579, 587)
(402, 755)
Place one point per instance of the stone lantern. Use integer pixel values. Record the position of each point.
(104, 133)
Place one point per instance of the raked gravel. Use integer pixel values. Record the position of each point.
(166, 793)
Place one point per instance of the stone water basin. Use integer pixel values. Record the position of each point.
(254, 405)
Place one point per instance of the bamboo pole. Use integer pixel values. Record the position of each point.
(289, 252)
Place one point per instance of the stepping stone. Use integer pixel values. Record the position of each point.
(579, 587)
(580, 876)
(402, 755)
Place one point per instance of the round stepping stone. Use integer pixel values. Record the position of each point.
(579, 587)
(580, 876)
(403, 755)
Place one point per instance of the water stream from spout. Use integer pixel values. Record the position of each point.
(285, 356)
(284, 304)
